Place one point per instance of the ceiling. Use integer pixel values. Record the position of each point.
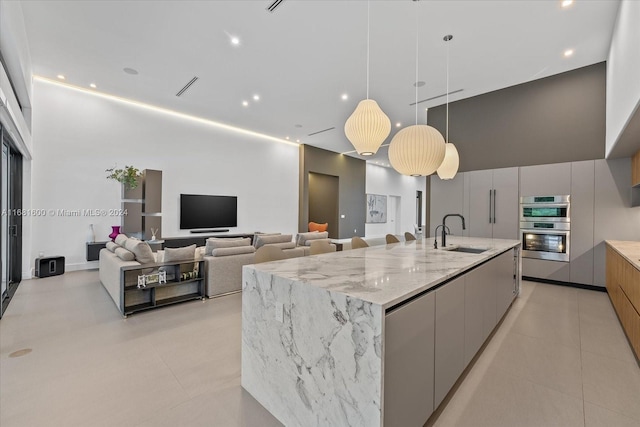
(301, 58)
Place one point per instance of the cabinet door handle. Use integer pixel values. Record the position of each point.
(494, 206)
(490, 206)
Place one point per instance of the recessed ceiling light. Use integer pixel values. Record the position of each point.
(344, 97)
(567, 3)
(130, 71)
(298, 126)
(61, 77)
(568, 52)
(398, 124)
(93, 85)
(256, 97)
(419, 83)
(297, 140)
(235, 40)
(245, 103)
(287, 138)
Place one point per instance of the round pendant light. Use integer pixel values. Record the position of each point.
(449, 167)
(417, 150)
(367, 127)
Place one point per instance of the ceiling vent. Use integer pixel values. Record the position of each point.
(320, 131)
(187, 86)
(273, 6)
(435, 97)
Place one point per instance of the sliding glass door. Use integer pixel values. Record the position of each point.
(10, 224)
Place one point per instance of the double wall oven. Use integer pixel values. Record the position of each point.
(545, 227)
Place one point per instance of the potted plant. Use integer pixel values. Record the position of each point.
(127, 176)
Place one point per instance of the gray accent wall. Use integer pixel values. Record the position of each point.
(556, 119)
(351, 173)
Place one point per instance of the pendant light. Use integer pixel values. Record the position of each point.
(368, 126)
(451, 162)
(417, 150)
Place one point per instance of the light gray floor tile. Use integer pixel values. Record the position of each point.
(597, 416)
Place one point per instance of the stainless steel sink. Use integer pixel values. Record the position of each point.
(466, 250)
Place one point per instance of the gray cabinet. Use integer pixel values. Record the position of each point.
(409, 363)
(449, 338)
(582, 199)
(447, 196)
(545, 180)
(493, 203)
(505, 273)
(479, 309)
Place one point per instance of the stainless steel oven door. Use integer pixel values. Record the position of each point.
(545, 209)
(548, 244)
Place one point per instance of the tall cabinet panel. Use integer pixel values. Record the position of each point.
(447, 196)
(480, 203)
(545, 180)
(582, 197)
(506, 203)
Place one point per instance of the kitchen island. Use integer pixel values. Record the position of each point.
(374, 336)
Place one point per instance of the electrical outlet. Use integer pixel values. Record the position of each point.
(280, 312)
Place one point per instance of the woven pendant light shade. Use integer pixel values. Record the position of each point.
(367, 127)
(449, 166)
(417, 150)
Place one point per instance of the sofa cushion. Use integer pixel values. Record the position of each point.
(121, 239)
(199, 256)
(302, 238)
(217, 242)
(233, 251)
(255, 237)
(142, 251)
(262, 239)
(283, 245)
(124, 254)
(309, 242)
(112, 246)
(186, 253)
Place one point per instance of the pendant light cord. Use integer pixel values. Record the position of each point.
(416, 82)
(447, 130)
(368, 35)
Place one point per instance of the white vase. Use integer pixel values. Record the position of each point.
(91, 235)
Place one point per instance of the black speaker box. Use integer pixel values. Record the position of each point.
(49, 266)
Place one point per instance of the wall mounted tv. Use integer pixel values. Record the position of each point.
(202, 211)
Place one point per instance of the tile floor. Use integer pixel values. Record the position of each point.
(559, 358)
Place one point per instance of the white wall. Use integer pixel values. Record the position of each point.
(387, 182)
(623, 69)
(78, 135)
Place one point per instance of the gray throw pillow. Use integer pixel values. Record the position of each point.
(238, 250)
(142, 251)
(217, 242)
(188, 253)
(255, 237)
(112, 246)
(262, 240)
(121, 239)
(302, 238)
(124, 254)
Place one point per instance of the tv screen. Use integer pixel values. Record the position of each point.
(202, 211)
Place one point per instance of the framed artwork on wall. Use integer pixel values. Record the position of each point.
(376, 209)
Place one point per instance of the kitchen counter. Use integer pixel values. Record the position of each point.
(629, 250)
(313, 327)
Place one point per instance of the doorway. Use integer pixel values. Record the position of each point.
(394, 215)
(323, 201)
(10, 221)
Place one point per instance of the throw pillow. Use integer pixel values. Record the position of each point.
(121, 239)
(233, 251)
(112, 246)
(187, 253)
(124, 254)
(262, 240)
(142, 251)
(302, 238)
(217, 242)
(255, 237)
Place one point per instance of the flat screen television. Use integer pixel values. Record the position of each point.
(203, 211)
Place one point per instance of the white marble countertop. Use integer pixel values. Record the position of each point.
(388, 274)
(630, 250)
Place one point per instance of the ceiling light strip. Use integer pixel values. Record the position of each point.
(187, 86)
(436, 97)
(165, 111)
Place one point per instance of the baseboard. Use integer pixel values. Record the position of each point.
(569, 284)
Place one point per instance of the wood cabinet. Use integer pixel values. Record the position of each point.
(623, 286)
